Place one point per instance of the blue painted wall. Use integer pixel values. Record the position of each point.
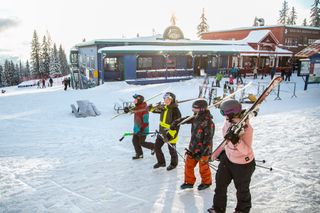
(130, 64)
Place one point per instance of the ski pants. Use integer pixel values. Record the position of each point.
(204, 170)
(139, 141)
(241, 176)
(159, 154)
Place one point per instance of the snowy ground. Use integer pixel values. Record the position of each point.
(51, 161)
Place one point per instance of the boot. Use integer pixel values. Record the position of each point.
(186, 186)
(157, 165)
(203, 186)
(170, 167)
(137, 157)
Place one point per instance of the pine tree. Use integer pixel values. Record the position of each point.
(35, 56)
(44, 57)
(27, 70)
(315, 14)
(203, 27)
(63, 61)
(293, 17)
(283, 13)
(55, 67)
(304, 22)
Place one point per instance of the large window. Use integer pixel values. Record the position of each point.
(110, 64)
(291, 42)
(144, 63)
(171, 61)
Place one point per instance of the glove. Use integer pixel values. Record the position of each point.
(175, 123)
(231, 136)
(197, 156)
(126, 109)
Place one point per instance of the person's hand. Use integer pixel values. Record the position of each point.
(233, 137)
(126, 109)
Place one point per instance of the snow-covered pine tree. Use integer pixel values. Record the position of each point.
(283, 13)
(27, 70)
(9, 73)
(65, 70)
(16, 74)
(35, 56)
(304, 23)
(203, 27)
(44, 57)
(293, 17)
(315, 14)
(55, 67)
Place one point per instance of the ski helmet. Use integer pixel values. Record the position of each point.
(140, 98)
(230, 108)
(200, 105)
(170, 95)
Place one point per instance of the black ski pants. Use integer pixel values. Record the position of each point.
(139, 141)
(159, 154)
(241, 176)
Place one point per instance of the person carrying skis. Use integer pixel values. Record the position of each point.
(200, 146)
(140, 127)
(236, 162)
(168, 113)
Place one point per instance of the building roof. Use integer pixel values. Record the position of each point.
(266, 27)
(258, 36)
(193, 49)
(309, 51)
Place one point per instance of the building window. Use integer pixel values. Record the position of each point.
(171, 61)
(291, 42)
(110, 64)
(144, 63)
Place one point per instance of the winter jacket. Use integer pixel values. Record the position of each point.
(240, 153)
(167, 115)
(141, 119)
(202, 131)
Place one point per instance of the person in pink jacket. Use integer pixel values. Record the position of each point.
(236, 162)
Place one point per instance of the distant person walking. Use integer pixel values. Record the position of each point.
(65, 83)
(51, 82)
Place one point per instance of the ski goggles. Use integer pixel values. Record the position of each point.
(231, 111)
(167, 95)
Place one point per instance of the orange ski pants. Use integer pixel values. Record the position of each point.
(204, 170)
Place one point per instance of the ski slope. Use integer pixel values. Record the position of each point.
(51, 161)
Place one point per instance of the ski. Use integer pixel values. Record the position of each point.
(216, 104)
(205, 82)
(252, 111)
(132, 109)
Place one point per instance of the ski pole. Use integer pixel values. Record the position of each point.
(131, 133)
(264, 167)
(158, 133)
(261, 161)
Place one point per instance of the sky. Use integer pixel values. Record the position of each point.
(69, 22)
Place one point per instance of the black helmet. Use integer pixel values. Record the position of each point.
(202, 105)
(171, 96)
(140, 98)
(230, 108)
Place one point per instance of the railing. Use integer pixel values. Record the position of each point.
(164, 73)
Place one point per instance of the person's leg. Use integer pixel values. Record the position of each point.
(159, 154)
(189, 166)
(173, 154)
(136, 140)
(205, 171)
(242, 178)
(223, 179)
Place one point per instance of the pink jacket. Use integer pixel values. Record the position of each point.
(242, 152)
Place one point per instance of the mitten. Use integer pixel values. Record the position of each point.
(233, 137)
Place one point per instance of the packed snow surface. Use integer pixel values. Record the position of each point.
(51, 161)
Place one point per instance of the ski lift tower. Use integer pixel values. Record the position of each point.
(76, 81)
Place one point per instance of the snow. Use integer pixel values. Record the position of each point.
(51, 161)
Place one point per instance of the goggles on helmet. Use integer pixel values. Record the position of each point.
(167, 95)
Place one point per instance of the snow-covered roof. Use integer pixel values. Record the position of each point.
(178, 49)
(257, 36)
(311, 50)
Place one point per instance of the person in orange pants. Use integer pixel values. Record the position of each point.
(200, 146)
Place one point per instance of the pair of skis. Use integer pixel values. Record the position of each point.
(248, 113)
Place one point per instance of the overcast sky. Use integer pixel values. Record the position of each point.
(69, 21)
